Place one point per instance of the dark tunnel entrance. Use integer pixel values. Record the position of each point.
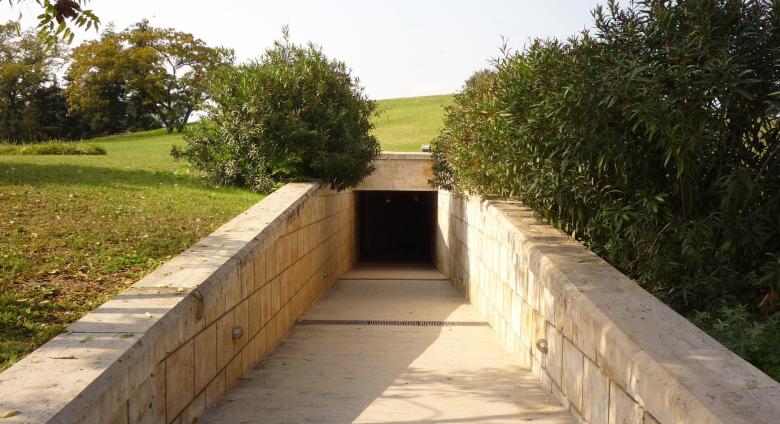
(396, 226)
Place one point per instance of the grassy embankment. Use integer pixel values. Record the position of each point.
(74, 230)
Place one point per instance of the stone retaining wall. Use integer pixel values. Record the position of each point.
(400, 171)
(601, 344)
(166, 348)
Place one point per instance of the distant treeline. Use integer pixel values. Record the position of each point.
(140, 78)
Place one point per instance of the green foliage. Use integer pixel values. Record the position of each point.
(31, 103)
(653, 138)
(753, 340)
(57, 17)
(53, 148)
(292, 114)
(140, 77)
(137, 79)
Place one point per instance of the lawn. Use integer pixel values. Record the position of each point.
(75, 230)
(404, 124)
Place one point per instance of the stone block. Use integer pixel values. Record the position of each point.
(572, 374)
(295, 247)
(233, 372)
(287, 250)
(214, 303)
(225, 345)
(539, 328)
(622, 408)
(506, 298)
(205, 345)
(241, 318)
(523, 354)
(276, 295)
(586, 325)
(576, 416)
(516, 316)
(248, 357)
(215, 389)
(554, 357)
(179, 380)
(547, 303)
(270, 262)
(615, 355)
(259, 265)
(119, 416)
(255, 314)
(527, 327)
(560, 396)
(532, 289)
(261, 345)
(595, 394)
(664, 396)
(265, 298)
(279, 249)
(287, 285)
(194, 410)
(232, 283)
(247, 272)
(147, 404)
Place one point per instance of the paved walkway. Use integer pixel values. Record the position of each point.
(327, 373)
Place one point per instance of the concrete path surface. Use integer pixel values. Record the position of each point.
(325, 372)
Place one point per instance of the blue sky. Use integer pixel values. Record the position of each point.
(397, 48)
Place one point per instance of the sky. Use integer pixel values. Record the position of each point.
(400, 48)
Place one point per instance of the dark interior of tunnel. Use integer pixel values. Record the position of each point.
(396, 227)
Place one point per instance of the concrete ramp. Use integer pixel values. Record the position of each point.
(389, 345)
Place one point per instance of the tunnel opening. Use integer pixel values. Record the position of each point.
(396, 227)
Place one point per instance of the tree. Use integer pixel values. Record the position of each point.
(97, 84)
(54, 18)
(27, 66)
(141, 77)
(168, 68)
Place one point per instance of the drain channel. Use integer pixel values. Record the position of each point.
(391, 323)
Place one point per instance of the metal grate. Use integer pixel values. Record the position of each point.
(391, 323)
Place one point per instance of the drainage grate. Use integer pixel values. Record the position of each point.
(390, 323)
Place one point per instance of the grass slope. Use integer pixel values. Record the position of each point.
(404, 124)
(74, 230)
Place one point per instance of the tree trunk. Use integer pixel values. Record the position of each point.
(184, 120)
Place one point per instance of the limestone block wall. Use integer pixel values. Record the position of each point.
(166, 348)
(602, 345)
(400, 171)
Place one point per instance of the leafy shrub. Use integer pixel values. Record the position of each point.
(653, 139)
(753, 340)
(53, 148)
(293, 114)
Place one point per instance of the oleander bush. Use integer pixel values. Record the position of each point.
(293, 114)
(653, 139)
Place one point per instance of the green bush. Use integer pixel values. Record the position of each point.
(653, 138)
(293, 114)
(755, 341)
(53, 148)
